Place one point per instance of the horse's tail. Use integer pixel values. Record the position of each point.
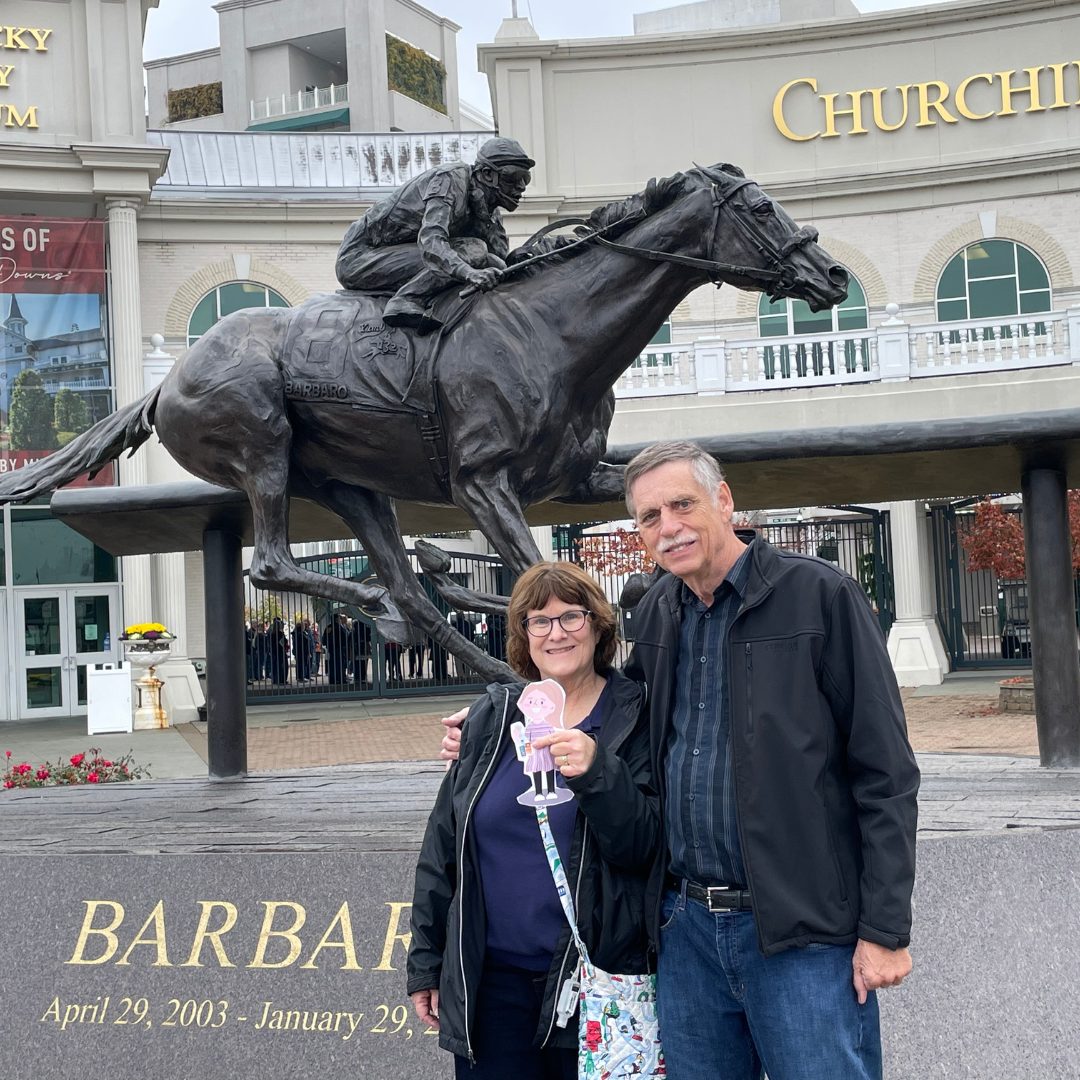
(126, 429)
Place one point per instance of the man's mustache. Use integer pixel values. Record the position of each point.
(666, 545)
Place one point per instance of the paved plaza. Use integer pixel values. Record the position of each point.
(980, 768)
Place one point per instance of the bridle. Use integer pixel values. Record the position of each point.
(776, 278)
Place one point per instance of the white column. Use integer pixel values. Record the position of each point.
(128, 377)
(170, 597)
(915, 646)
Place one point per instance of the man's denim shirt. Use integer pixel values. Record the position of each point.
(701, 814)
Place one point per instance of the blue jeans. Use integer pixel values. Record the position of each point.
(728, 1012)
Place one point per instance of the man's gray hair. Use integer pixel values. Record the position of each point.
(704, 467)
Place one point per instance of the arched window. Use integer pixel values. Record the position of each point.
(226, 299)
(990, 279)
(793, 318)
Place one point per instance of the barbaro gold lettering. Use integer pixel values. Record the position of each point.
(977, 97)
(280, 942)
(392, 935)
(204, 933)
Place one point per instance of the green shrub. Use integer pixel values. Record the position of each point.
(191, 102)
(31, 414)
(70, 412)
(415, 74)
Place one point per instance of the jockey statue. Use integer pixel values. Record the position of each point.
(440, 228)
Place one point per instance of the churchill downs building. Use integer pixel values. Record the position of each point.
(935, 149)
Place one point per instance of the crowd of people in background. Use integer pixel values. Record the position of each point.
(346, 653)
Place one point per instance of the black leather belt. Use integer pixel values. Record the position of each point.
(716, 897)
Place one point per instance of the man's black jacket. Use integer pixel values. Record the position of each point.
(615, 841)
(825, 778)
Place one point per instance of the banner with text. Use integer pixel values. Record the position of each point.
(55, 375)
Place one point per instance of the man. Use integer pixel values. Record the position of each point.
(441, 228)
(782, 899)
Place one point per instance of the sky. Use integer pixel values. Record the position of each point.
(181, 26)
(56, 313)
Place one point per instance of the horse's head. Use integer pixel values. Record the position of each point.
(755, 244)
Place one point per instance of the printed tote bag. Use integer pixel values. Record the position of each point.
(618, 1036)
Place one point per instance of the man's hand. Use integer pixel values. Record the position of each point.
(572, 750)
(484, 279)
(874, 966)
(451, 741)
(426, 1004)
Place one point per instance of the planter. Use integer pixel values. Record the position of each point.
(1016, 696)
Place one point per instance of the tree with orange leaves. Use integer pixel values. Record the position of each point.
(995, 540)
(618, 552)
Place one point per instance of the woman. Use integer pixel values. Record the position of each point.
(491, 949)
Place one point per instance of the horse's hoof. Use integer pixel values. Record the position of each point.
(433, 560)
(394, 626)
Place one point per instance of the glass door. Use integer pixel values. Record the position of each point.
(92, 612)
(60, 632)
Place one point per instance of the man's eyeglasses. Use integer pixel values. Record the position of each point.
(540, 625)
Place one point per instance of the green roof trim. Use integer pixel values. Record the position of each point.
(303, 121)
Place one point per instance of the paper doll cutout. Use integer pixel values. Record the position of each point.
(542, 703)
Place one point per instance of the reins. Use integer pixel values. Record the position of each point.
(778, 273)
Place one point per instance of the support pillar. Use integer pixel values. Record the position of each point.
(226, 670)
(127, 368)
(1052, 612)
(915, 646)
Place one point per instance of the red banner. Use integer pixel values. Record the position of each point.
(55, 375)
(10, 460)
(39, 255)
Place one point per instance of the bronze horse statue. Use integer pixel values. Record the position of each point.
(509, 406)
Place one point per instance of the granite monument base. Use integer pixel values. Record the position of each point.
(287, 966)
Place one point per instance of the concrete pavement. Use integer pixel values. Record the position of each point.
(980, 767)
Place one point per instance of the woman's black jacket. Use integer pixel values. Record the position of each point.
(615, 841)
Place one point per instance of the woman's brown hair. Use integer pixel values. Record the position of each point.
(570, 584)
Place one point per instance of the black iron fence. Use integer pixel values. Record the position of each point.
(983, 618)
(304, 648)
(301, 648)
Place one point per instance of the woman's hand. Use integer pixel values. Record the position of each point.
(426, 1004)
(572, 750)
(451, 742)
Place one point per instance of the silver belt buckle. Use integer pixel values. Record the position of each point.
(720, 892)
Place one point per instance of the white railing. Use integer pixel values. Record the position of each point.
(1023, 341)
(891, 352)
(302, 101)
(660, 369)
(771, 363)
(75, 384)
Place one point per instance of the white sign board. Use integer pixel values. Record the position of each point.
(108, 698)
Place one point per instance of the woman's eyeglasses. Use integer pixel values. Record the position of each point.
(540, 625)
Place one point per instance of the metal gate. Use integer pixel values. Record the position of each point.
(302, 648)
(983, 618)
(860, 545)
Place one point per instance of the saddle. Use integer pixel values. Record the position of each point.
(338, 349)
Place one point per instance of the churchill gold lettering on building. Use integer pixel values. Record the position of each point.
(982, 96)
(20, 39)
